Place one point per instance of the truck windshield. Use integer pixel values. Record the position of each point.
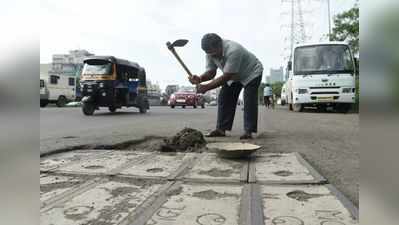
(97, 67)
(322, 59)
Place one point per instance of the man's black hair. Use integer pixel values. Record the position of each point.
(211, 41)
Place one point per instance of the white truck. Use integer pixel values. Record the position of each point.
(321, 75)
(58, 89)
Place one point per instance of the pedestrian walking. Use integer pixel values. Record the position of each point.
(267, 95)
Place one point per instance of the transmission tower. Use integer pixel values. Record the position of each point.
(297, 26)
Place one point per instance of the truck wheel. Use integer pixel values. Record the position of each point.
(143, 109)
(297, 107)
(112, 109)
(172, 106)
(343, 107)
(183, 106)
(203, 106)
(43, 103)
(61, 102)
(322, 108)
(88, 109)
(194, 106)
(290, 107)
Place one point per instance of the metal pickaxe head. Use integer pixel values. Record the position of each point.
(171, 47)
(177, 43)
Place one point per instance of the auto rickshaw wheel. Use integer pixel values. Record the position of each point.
(143, 109)
(61, 101)
(112, 109)
(88, 109)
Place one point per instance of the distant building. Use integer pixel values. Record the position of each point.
(170, 89)
(44, 68)
(69, 64)
(276, 75)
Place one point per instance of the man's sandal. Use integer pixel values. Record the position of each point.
(216, 133)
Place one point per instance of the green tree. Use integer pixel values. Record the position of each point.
(276, 88)
(346, 28)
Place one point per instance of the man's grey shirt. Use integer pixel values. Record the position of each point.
(236, 59)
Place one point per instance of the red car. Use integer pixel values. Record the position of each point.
(186, 97)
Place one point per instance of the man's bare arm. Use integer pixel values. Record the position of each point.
(215, 83)
(208, 75)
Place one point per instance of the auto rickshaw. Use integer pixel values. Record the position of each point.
(110, 82)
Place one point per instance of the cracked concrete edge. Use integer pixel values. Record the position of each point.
(353, 210)
(185, 166)
(96, 145)
(251, 208)
(144, 212)
(317, 176)
(64, 197)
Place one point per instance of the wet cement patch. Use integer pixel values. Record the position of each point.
(188, 140)
(211, 194)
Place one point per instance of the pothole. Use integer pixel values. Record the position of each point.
(302, 196)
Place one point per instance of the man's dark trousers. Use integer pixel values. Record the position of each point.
(227, 103)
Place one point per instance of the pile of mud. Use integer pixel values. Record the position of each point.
(186, 140)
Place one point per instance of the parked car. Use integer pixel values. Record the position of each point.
(186, 97)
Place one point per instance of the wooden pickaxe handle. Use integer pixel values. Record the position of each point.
(181, 61)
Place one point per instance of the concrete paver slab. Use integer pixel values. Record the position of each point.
(158, 165)
(281, 168)
(299, 204)
(212, 168)
(200, 204)
(107, 203)
(104, 163)
(57, 160)
(55, 185)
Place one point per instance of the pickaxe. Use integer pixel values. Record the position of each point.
(171, 47)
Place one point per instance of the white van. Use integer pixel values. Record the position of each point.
(321, 75)
(61, 89)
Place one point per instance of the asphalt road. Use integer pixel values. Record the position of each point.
(329, 141)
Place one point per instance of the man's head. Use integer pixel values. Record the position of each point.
(212, 44)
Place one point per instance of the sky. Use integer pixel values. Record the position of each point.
(137, 30)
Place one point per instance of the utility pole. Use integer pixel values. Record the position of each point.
(329, 20)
